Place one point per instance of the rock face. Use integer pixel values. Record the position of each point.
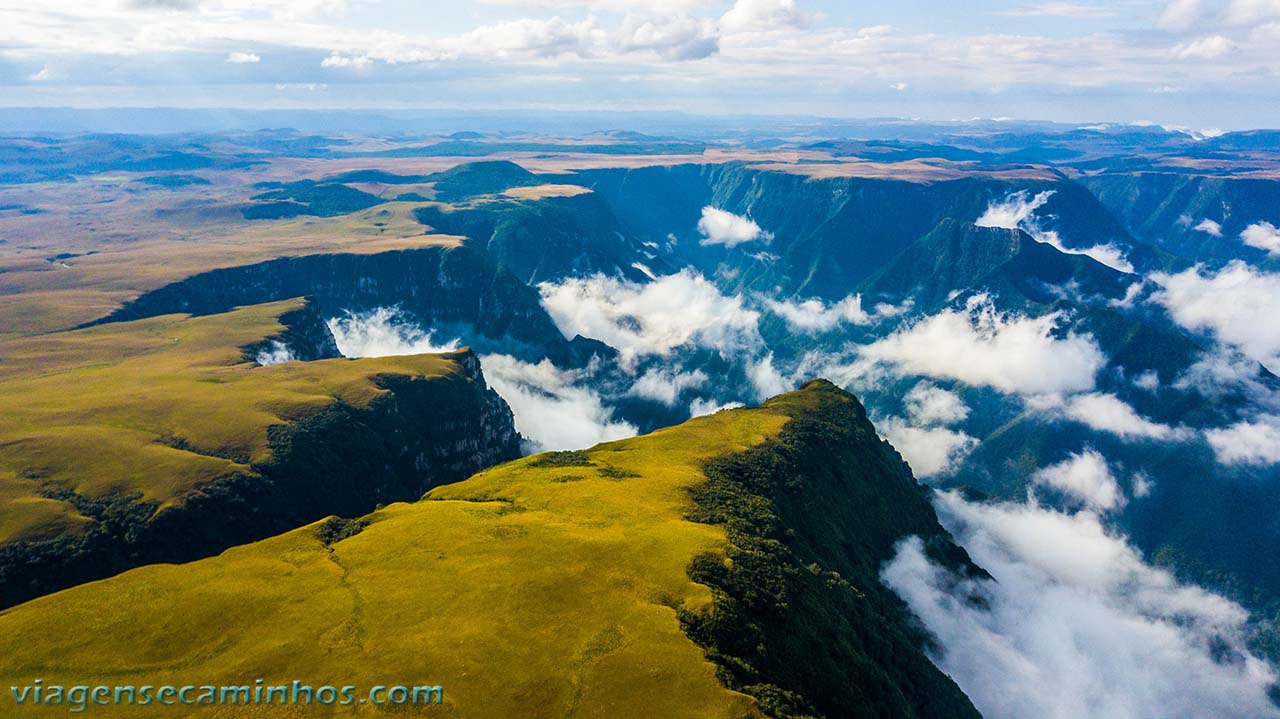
(434, 286)
(343, 460)
(802, 621)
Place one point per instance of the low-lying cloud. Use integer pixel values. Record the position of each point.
(812, 316)
(666, 385)
(720, 227)
(980, 346)
(1076, 623)
(553, 408)
(931, 451)
(273, 354)
(1255, 442)
(1084, 478)
(1264, 236)
(1209, 227)
(1108, 413)
(383, 332)
(1238, 304)
(924, 438)
(1017, 211)
(653, 318)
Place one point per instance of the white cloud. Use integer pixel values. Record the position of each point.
(678, 37)
(1210, 226)
(813, 315)
(241, 58)
(1251, 12)
(1255, 443)
(765, 379)
(700, 406)
(1181, 15)
(923, 438)
(44, 74)
(666, 385)
(1017, 211)
(931, 451)
(528, 37)
(1237, 303)
(1149, 380)
(1205, 48)
(747, 15)
(978, 345)
(1013, 211)
(1108, 413)
(1264, 236)
(719, 227)
(1059, 9)
(899, 86)
(351, 61)
(552, 407)
(383, 332)
(927, 404)
(1076, 623)
(653, 318)
(1086, 478)
(275, 353)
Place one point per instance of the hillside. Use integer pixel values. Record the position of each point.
(565, 584)
(162, 440)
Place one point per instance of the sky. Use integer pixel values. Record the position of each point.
(1197, 63)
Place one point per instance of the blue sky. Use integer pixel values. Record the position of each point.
(1198, 63)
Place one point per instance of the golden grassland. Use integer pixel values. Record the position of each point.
(126, 241)
(156, 406)
(525, 591)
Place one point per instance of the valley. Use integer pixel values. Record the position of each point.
(218, 350)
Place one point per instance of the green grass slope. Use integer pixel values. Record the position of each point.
(572, 584)
(116, 430)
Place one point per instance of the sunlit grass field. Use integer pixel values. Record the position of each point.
(546, 587)
(155, 407)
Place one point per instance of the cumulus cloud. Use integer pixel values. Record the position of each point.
(1108, 413)
(1249, 443)
(980, 346)
(719, 227)
(1083, 477)
(746, 15)
(678, 37)
(1076, 624)
(553, 408)
(653, 318)
(1205, 48)
(814, 315)
(1264, 236)
(1017, 211)
(1238, 304)
(383, 332)
(665, 385)
(1210, 226)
